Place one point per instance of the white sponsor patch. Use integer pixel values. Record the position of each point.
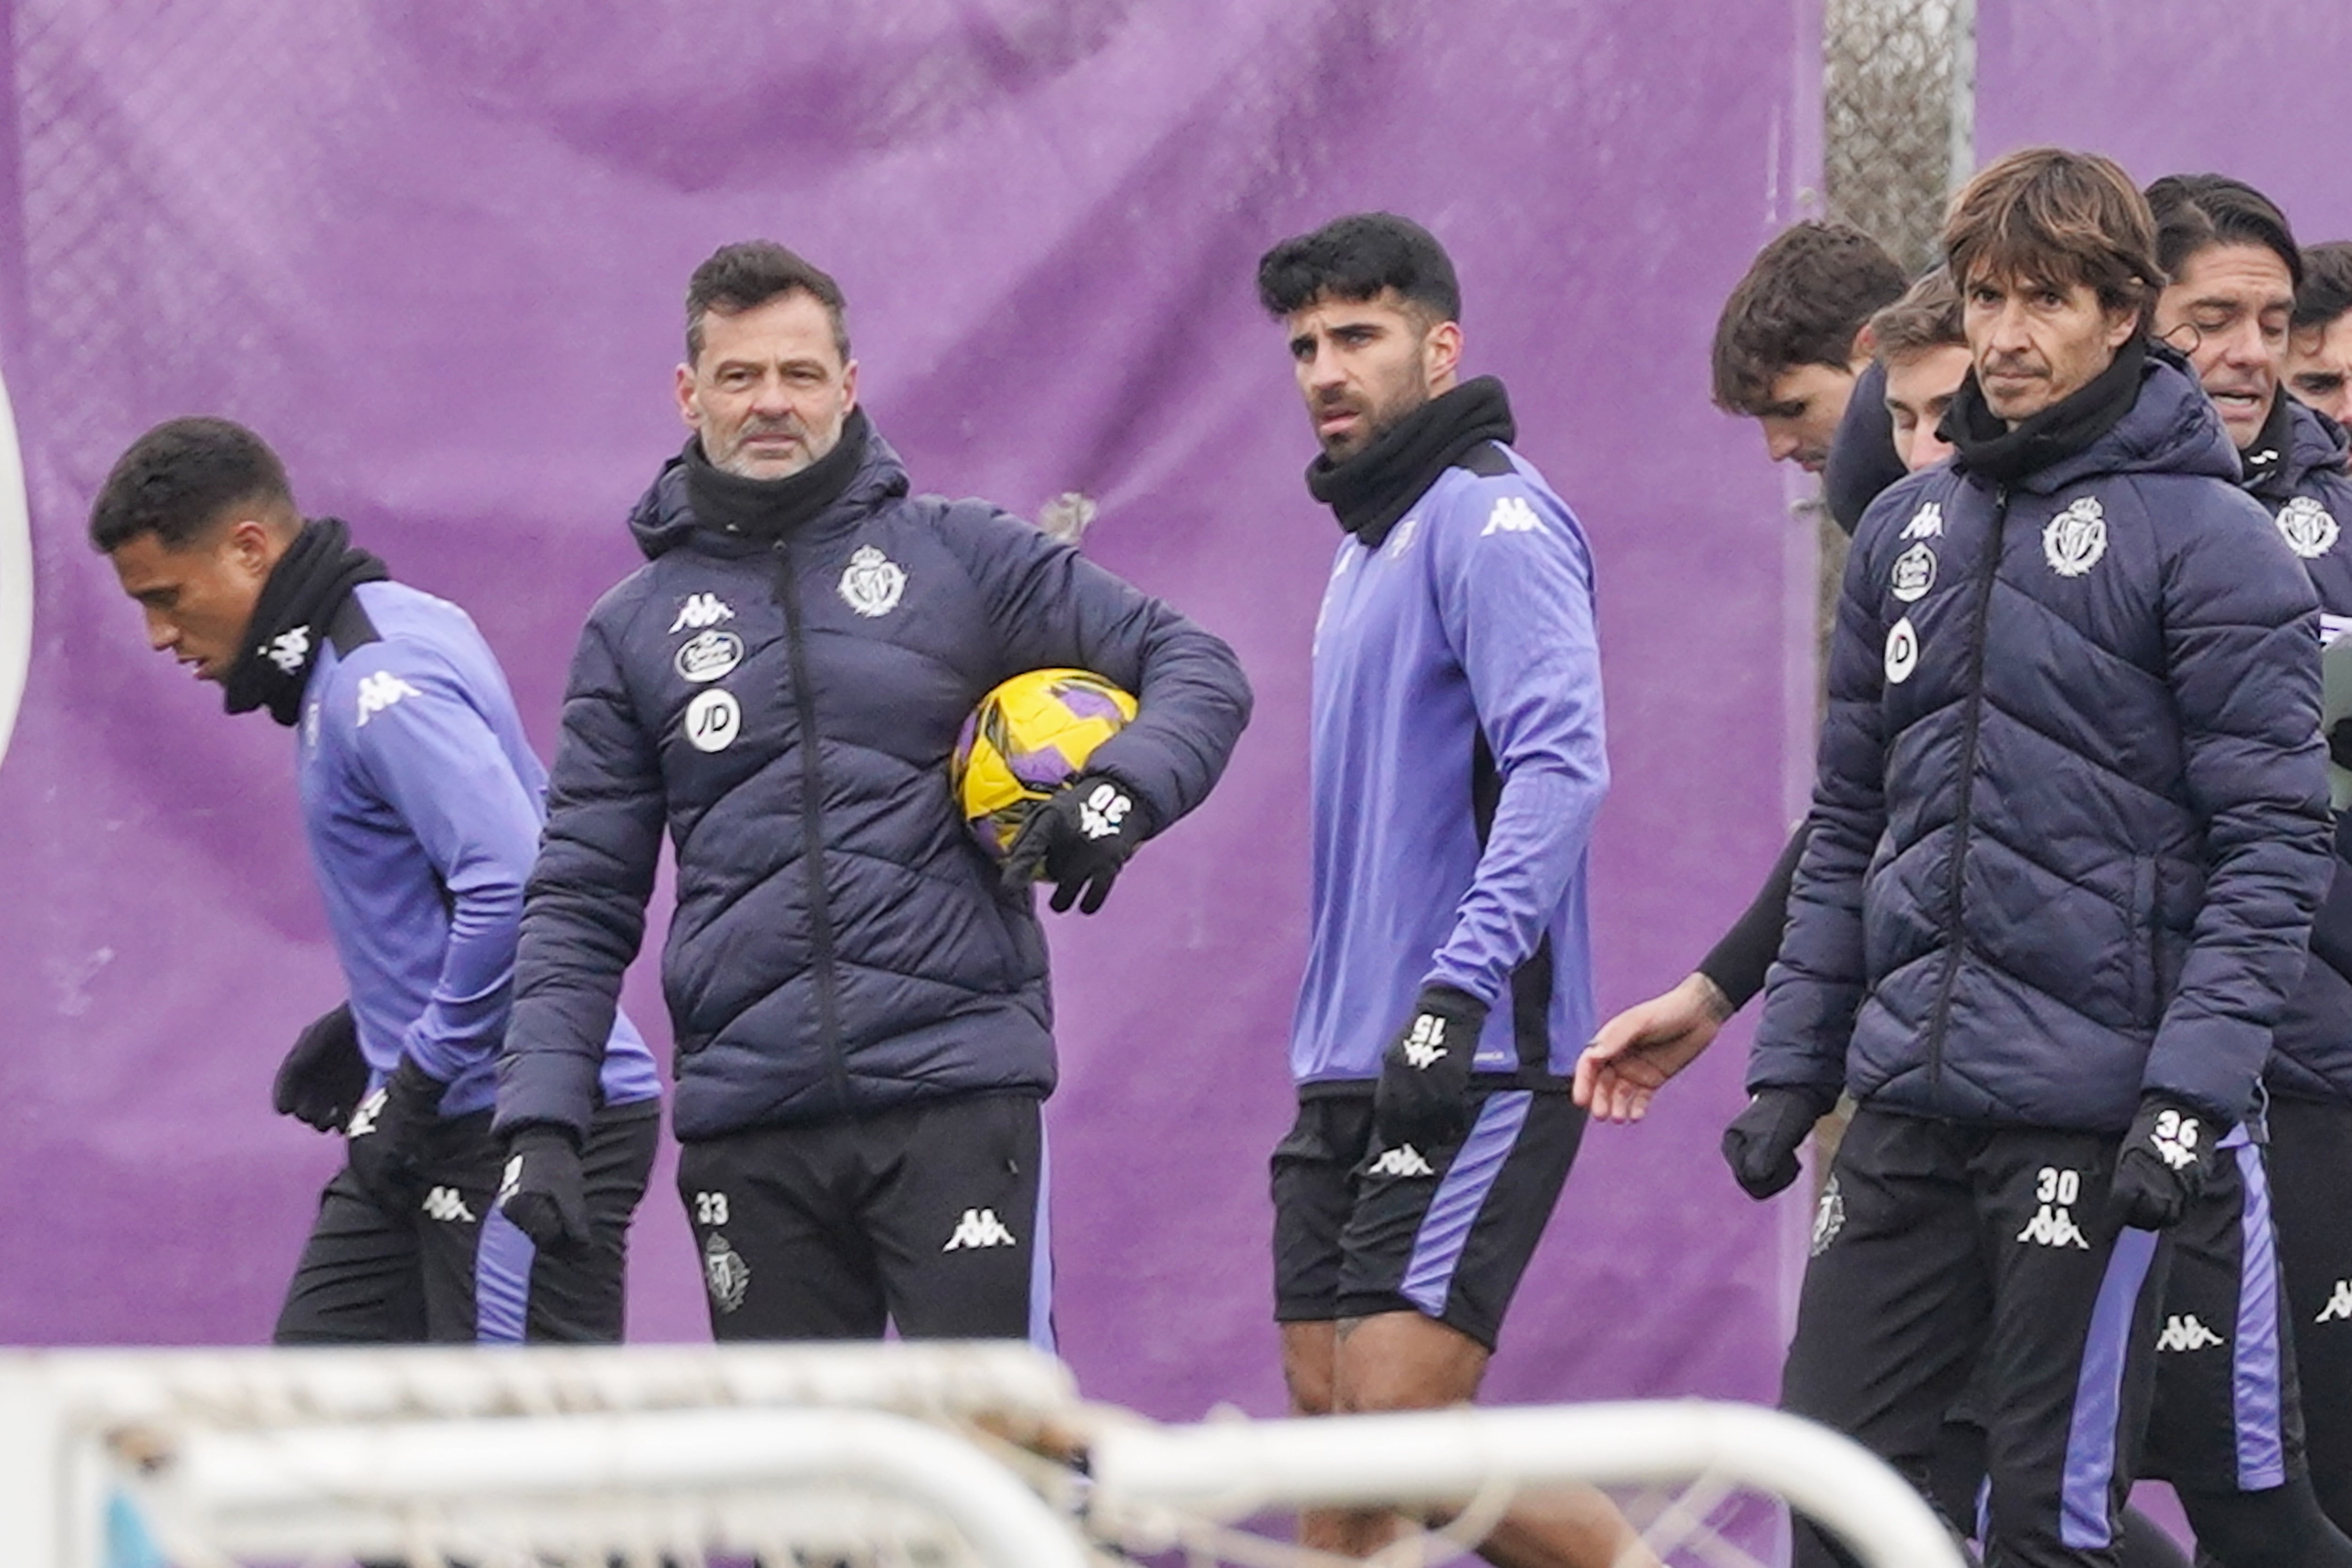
(712, 720)
(708, 655)
(1927, 522)
(1902, 651)
(1914, 573)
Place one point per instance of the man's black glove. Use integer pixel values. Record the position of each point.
(322, 1077)
(1761, 1144)
(1078, 839)
(543, 1191)
(2165, 1160)
(386, 1136)
(1423, 1097)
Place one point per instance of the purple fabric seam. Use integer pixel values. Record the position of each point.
(1461, 1193)
(2087, 1491)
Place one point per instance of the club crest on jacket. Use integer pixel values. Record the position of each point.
(873, 583)
(2075, 538)
(2309, 529)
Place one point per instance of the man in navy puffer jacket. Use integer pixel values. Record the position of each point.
(2070, 830)
(858, 992)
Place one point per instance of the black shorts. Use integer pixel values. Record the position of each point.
(2227, 1417)
(2311, 1196)
(1444, 1232)
(456, 1271)
(931, 1217)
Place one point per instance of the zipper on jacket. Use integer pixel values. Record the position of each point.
(1964, 816)
(828, 1007)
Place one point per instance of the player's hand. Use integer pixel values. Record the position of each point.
(385, 1137)
(1761, 1144)
(1634, 1054)
(1423, 1098)
(321, 1079)
(2165, 1160)
(1078, 839)
(544, 1192)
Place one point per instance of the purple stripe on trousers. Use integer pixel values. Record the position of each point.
(2084, 1521)
(2254, 1359)
(503, 1260)
(1041, 1253)
(1461, 1193)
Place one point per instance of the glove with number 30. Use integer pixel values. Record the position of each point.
(2165, 1160)
(1078, 839)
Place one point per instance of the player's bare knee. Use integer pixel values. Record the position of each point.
(1308, 1369)
(1402, 1361)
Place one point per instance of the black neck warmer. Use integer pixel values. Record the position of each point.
(1369, 491)
(767, 509)
(1984, 444)
(2264, 462)
(291, 618)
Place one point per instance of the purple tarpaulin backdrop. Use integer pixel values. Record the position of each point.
(434, 252)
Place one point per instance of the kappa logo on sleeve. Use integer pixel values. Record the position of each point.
(380, 691)
(1512, 514)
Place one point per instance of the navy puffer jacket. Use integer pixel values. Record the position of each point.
(2310, 497)
(2071, 821)
(840, 944)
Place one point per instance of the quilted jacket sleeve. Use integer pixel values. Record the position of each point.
(2243, 644)
(1054, 608)
(585, 908)
(1813, 993)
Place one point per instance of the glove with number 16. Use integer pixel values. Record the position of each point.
(2165, 1160)
(1423, 1097)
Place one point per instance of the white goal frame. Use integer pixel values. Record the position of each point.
(287, 1455)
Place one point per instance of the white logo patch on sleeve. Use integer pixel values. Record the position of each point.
(2075, 538)
(1512, 514)
(380, 691)
(712, 720)
(873, 583)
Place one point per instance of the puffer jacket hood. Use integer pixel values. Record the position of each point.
(2070, 826)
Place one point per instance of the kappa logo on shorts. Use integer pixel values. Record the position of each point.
(2057, 1190)
(2339, 1305)
(2184, 1332)
(1829, 1218)
(449, 1205)
(1404, 1160)
(724, 1273)
(980, 1227)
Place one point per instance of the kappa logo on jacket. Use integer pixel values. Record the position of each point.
(2309, 531)
(700, 611)
(1927, 522)
(874, 583)
(2075, 538)
(380, 691)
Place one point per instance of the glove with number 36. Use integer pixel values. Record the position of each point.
(2165, 1160)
